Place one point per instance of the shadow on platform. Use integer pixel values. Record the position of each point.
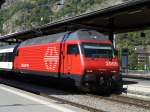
(129, 82)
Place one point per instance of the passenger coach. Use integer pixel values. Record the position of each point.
(7, 54)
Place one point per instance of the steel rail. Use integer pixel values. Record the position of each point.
(124, 100)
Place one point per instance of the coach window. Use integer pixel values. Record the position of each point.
(0, 57)
(72, 49)
(9, 57)
(3, 57)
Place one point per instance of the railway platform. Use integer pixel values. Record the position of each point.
(137, 84)
(16, 100)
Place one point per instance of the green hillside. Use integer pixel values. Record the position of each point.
(131, 41)
(25, 14)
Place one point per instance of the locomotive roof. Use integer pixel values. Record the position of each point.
(44, 39)
(82, 34)
(87, 34)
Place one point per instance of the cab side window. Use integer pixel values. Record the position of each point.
(72, 49)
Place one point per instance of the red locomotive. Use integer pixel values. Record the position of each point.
(86, 56)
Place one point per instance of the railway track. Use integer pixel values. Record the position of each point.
(73, 103)
(113, 98)
(124, 100)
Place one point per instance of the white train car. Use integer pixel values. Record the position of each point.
(7, 54)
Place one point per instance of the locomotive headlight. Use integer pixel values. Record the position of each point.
(89, 71)
(114, 71)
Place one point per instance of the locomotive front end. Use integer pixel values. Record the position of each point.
(101, 67)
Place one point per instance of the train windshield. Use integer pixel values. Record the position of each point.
(97, 50)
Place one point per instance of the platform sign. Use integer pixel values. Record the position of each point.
(124, 59)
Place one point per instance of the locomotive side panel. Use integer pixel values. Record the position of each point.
(39, 58)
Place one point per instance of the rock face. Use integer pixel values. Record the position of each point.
(10, 26)
(31, 15)
(8, 3)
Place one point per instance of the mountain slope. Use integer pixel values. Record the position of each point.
(18, 15)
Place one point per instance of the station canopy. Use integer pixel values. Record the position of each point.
(129, 16)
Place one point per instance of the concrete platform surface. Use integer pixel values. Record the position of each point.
(16, 100)
(137, 87)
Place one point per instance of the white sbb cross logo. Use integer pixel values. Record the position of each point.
(51, 58)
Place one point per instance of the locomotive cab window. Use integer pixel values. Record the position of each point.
(72, 49)
(96, 50)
